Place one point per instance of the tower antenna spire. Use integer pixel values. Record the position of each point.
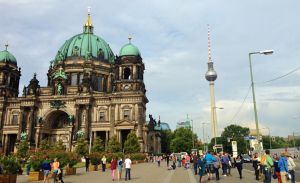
(209, 43)
(129, 38)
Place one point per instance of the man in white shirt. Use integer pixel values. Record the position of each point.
(127, 168)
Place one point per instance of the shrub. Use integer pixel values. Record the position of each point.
(72, 159)
(95, 158)
(22, 149)
(61, 156)
(81, 147)
(9, 164)
(114, 145)
(44, 145)
(131, 144)
(137, 156)
(98, 145)
(36, 160)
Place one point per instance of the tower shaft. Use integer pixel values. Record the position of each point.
(213, 110)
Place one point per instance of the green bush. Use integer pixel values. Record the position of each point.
(9, 164)
(72, 159)
(137, 156)
(81, 147)
(61, 156)
(95, 158)
(131, 144)
(36, 160)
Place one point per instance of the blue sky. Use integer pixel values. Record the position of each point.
(172, 38)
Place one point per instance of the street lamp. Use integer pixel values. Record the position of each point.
(215, 120)
(265, 52)
(269, 135)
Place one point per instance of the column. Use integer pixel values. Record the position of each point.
(20, 123)
(77, 118)
(112, 120)
(109, 88)
(106, 139)
(5, 143)
(120, 73)
(134, 75)
(88, 125)
(29, 123)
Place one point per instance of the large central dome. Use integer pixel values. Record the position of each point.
(86, 45)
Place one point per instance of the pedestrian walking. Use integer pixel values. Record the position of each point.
(179, 160)
(46, 166)
(209, 159)
(168, 159)
(28, 166)
(217, 165)
(55, 166)
(276, 169)
(158, 159)
(201, 167)
(87, 163)
(267, 164)
(229, 165)
(113, 167)
(195, 160)
(225, 163)
(255, 165)
(120, 167)
(291, 167)
(103, 161)
(283, 165)
(188, 160)
(239, 165)
(127, 168)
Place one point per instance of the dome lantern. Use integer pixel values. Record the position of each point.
(129, 49)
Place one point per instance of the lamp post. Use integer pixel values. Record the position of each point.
(203, 134)
(269, 136)
(265, 52)
(193, 134)
(215, 130)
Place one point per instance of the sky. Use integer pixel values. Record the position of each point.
(172, 38)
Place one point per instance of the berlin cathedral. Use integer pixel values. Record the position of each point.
(90, 91)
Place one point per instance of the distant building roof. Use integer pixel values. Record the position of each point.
(184, 124)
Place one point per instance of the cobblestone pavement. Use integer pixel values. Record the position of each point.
(151, 173)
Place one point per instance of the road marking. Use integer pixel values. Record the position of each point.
(169, 176)
(191, 176)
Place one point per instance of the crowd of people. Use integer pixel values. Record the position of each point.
(208, 165)
(116, 164)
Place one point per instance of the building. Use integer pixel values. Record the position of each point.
(90, 91)
(185, 124)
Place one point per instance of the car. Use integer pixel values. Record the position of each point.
(246, 158)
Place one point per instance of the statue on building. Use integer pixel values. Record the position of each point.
(59, 89)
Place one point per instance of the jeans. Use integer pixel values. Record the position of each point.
(224, 168)
(240, 172)
(127, 173)
(195, 168)
(256, 173)
(292, 172)
(103, 167)
(217, 173)
(268, 175)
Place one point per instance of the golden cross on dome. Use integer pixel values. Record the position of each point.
(88, 21)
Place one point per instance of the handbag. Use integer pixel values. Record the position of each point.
(288, 176)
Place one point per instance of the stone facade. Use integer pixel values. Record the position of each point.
(84, 94)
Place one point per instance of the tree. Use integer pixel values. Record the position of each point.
(131, 144)
(98, 145)
(166, 137)
(59, 145)
(22, 149)
(81, 147)
(182, 140)
(234, 133)
(114, 145)
(44, 145)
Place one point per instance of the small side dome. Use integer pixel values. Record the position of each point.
(6, 56)
(129, 50)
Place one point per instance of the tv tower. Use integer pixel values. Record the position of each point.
(211, 76)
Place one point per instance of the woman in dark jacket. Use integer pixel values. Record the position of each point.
(239, 165)
(201, 166)
(276, 168)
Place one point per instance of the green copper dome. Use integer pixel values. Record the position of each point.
(86, 45)
(129, 50)
(5, 56)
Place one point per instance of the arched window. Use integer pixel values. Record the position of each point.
(127, 73)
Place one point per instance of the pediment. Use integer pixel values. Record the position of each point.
(125, 123)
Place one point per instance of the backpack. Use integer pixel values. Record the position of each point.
(120, 163)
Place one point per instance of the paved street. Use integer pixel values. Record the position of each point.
(150, 173)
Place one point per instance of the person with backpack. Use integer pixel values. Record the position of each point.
(291, 167)
(46, 167)
(120, 167)
(209, 159)
(283, 165)
(225, 163)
